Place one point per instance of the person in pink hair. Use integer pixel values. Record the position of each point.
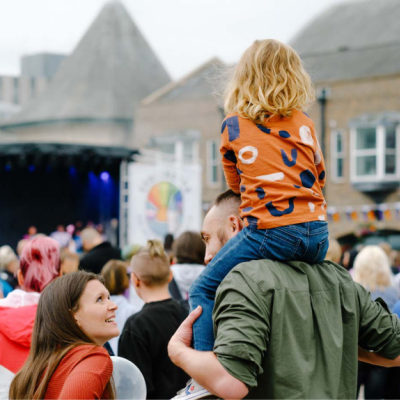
(39, 265)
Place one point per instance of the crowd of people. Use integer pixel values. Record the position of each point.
(147, 289)
(256, 304)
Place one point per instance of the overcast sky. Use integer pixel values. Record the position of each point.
(183, 33)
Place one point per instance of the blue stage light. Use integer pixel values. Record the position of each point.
(31, 168)
(105, 176)
(7, 167)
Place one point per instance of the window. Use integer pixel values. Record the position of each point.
(188, 150)
(390, 151)
(374, 154)
(212, 163)
(16, 91)
(182, 147)
(167, 148)
(366, 148)
(337, 155)
(33, 86)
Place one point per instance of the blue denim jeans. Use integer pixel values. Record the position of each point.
(306, 242)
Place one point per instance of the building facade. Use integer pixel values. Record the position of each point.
(95, 112)
(354, 60)
(184, 118)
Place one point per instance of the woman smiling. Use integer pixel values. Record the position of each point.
(75, 318)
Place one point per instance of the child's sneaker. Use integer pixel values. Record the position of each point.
(194, 391)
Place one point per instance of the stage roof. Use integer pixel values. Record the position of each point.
(69, 150)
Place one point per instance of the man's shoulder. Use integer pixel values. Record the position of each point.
(267, 275)
(103, 249)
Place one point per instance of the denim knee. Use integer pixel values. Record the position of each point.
(195, 288)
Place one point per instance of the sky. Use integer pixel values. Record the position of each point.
(183, 33)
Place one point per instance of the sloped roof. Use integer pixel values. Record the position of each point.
(199, 84)
(352, 40)
(354, 63)
(110, 71)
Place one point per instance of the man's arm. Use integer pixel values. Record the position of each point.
(379, 331)
(376, 359)
(203, 366)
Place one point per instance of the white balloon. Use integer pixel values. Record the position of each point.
(6, 378)
(128, 380)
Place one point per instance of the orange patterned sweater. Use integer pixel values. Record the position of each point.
(82, 374)
(277, 167)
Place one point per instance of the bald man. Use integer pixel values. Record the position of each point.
(98, 252)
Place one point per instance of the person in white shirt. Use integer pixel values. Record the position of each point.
(116, 278)
(188, 255)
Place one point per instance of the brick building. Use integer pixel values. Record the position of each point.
(95, 110)
(184, 118)
(353, 54)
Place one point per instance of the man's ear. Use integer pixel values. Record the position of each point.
(20, 278)
(234, 224)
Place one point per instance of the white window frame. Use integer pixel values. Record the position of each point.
(211, 163)
(178, 148)
(379, 152)
(335, 155)
(394, 152)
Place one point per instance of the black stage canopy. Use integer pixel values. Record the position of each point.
(46, 184)
(56, 155)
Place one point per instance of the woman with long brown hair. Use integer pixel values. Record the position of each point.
(74, 319)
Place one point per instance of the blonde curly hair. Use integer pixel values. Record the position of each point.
(269, 79)
(372, 269)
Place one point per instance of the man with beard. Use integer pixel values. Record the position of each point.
(221, 223)
(283, 330)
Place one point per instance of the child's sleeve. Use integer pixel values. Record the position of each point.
(229, 160)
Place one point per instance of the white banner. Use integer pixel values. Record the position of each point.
(164, 197)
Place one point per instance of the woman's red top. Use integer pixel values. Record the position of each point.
(82, 374)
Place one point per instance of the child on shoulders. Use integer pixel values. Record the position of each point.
(271, 156)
